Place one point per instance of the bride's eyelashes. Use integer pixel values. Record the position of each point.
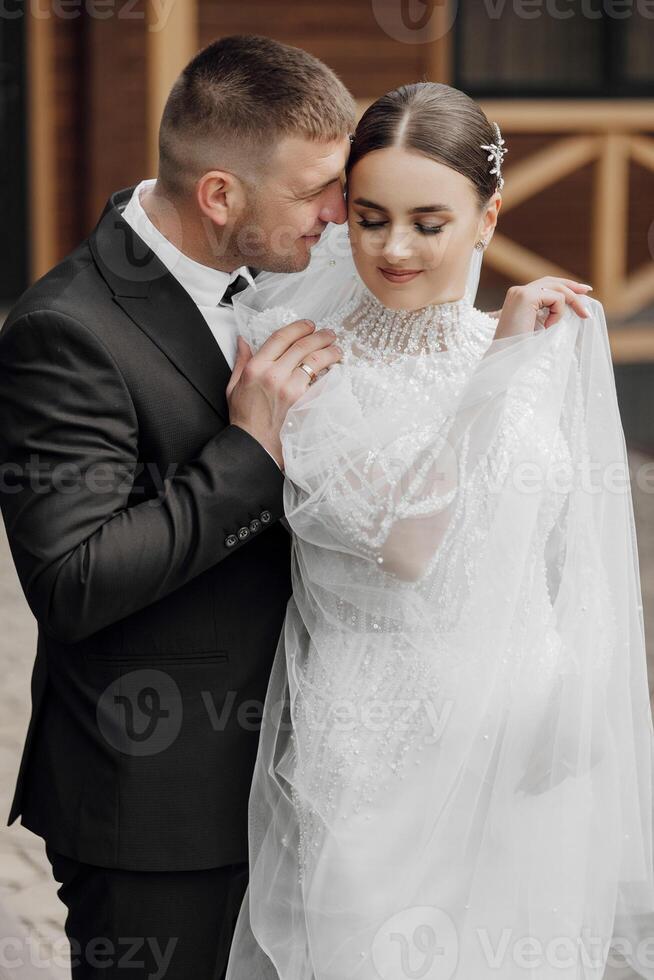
(423, 229)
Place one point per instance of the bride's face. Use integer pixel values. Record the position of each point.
(413, 225)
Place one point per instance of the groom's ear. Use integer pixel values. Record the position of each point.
(220, 196)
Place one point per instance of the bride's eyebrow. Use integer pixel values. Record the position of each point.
(424, 209)
(428, 208)
(368, 204)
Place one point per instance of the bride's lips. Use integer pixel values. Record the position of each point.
(399, 275)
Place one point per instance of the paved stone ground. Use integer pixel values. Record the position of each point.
(30, 910)
(32, 914)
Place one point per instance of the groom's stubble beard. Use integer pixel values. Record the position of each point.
(263, 241)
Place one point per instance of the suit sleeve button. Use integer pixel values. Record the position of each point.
(243, 533)
(266, 517)
(231, 540)
(255, 525)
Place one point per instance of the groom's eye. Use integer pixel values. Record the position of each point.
(312, 195)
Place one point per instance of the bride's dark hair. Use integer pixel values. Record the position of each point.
(434, 119)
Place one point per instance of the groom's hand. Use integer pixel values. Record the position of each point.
(263, 386)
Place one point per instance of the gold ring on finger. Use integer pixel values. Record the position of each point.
(309, 370)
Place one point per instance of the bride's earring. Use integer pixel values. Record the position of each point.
(480, 245)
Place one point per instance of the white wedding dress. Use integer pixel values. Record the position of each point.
(454, 776)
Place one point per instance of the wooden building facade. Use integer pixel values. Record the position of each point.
(574, 96)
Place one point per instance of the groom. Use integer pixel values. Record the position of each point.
(142, 493)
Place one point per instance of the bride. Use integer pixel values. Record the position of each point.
(454, 776)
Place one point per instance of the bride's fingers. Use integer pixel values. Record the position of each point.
(575, 301)
(560, 287)
(568, 297)
(580, 307)
(577, 287)
(554, 301)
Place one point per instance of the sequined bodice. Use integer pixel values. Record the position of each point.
(371, 331)
(377, 330)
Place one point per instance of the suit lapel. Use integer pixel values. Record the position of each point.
(157, 303)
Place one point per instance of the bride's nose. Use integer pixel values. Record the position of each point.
(397, 245)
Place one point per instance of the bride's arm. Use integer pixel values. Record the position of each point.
(378, 523)
(385, 497)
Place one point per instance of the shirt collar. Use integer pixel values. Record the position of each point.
(205, 286)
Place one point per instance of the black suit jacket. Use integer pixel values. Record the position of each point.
(146, 535)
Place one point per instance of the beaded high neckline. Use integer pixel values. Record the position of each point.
(379, 329)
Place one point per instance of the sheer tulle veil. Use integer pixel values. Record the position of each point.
(455, 768)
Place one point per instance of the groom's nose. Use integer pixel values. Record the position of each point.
(333, 207)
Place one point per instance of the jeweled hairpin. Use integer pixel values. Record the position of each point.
(496, 153)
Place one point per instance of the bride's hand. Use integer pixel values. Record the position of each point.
(523, 305)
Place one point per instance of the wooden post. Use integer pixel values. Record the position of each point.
(610, 220)
(172, 42)
(41, 145)
(439, 66)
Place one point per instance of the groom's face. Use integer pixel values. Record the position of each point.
(302, 191)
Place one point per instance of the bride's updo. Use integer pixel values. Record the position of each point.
(436, 120)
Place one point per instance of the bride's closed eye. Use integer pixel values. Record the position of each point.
(423, 229)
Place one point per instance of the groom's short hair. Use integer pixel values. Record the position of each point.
(237, 98)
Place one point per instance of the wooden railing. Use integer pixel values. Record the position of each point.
(607, 133)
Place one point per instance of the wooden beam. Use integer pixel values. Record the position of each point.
(519, 263)
(636, 292)
(642, 151)
(172, 42)
(632, 344)
(572, 115)
(41, 145)
(546, 167)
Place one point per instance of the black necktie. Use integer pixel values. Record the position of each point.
(234, 287)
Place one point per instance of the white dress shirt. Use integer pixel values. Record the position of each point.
(205, 286)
